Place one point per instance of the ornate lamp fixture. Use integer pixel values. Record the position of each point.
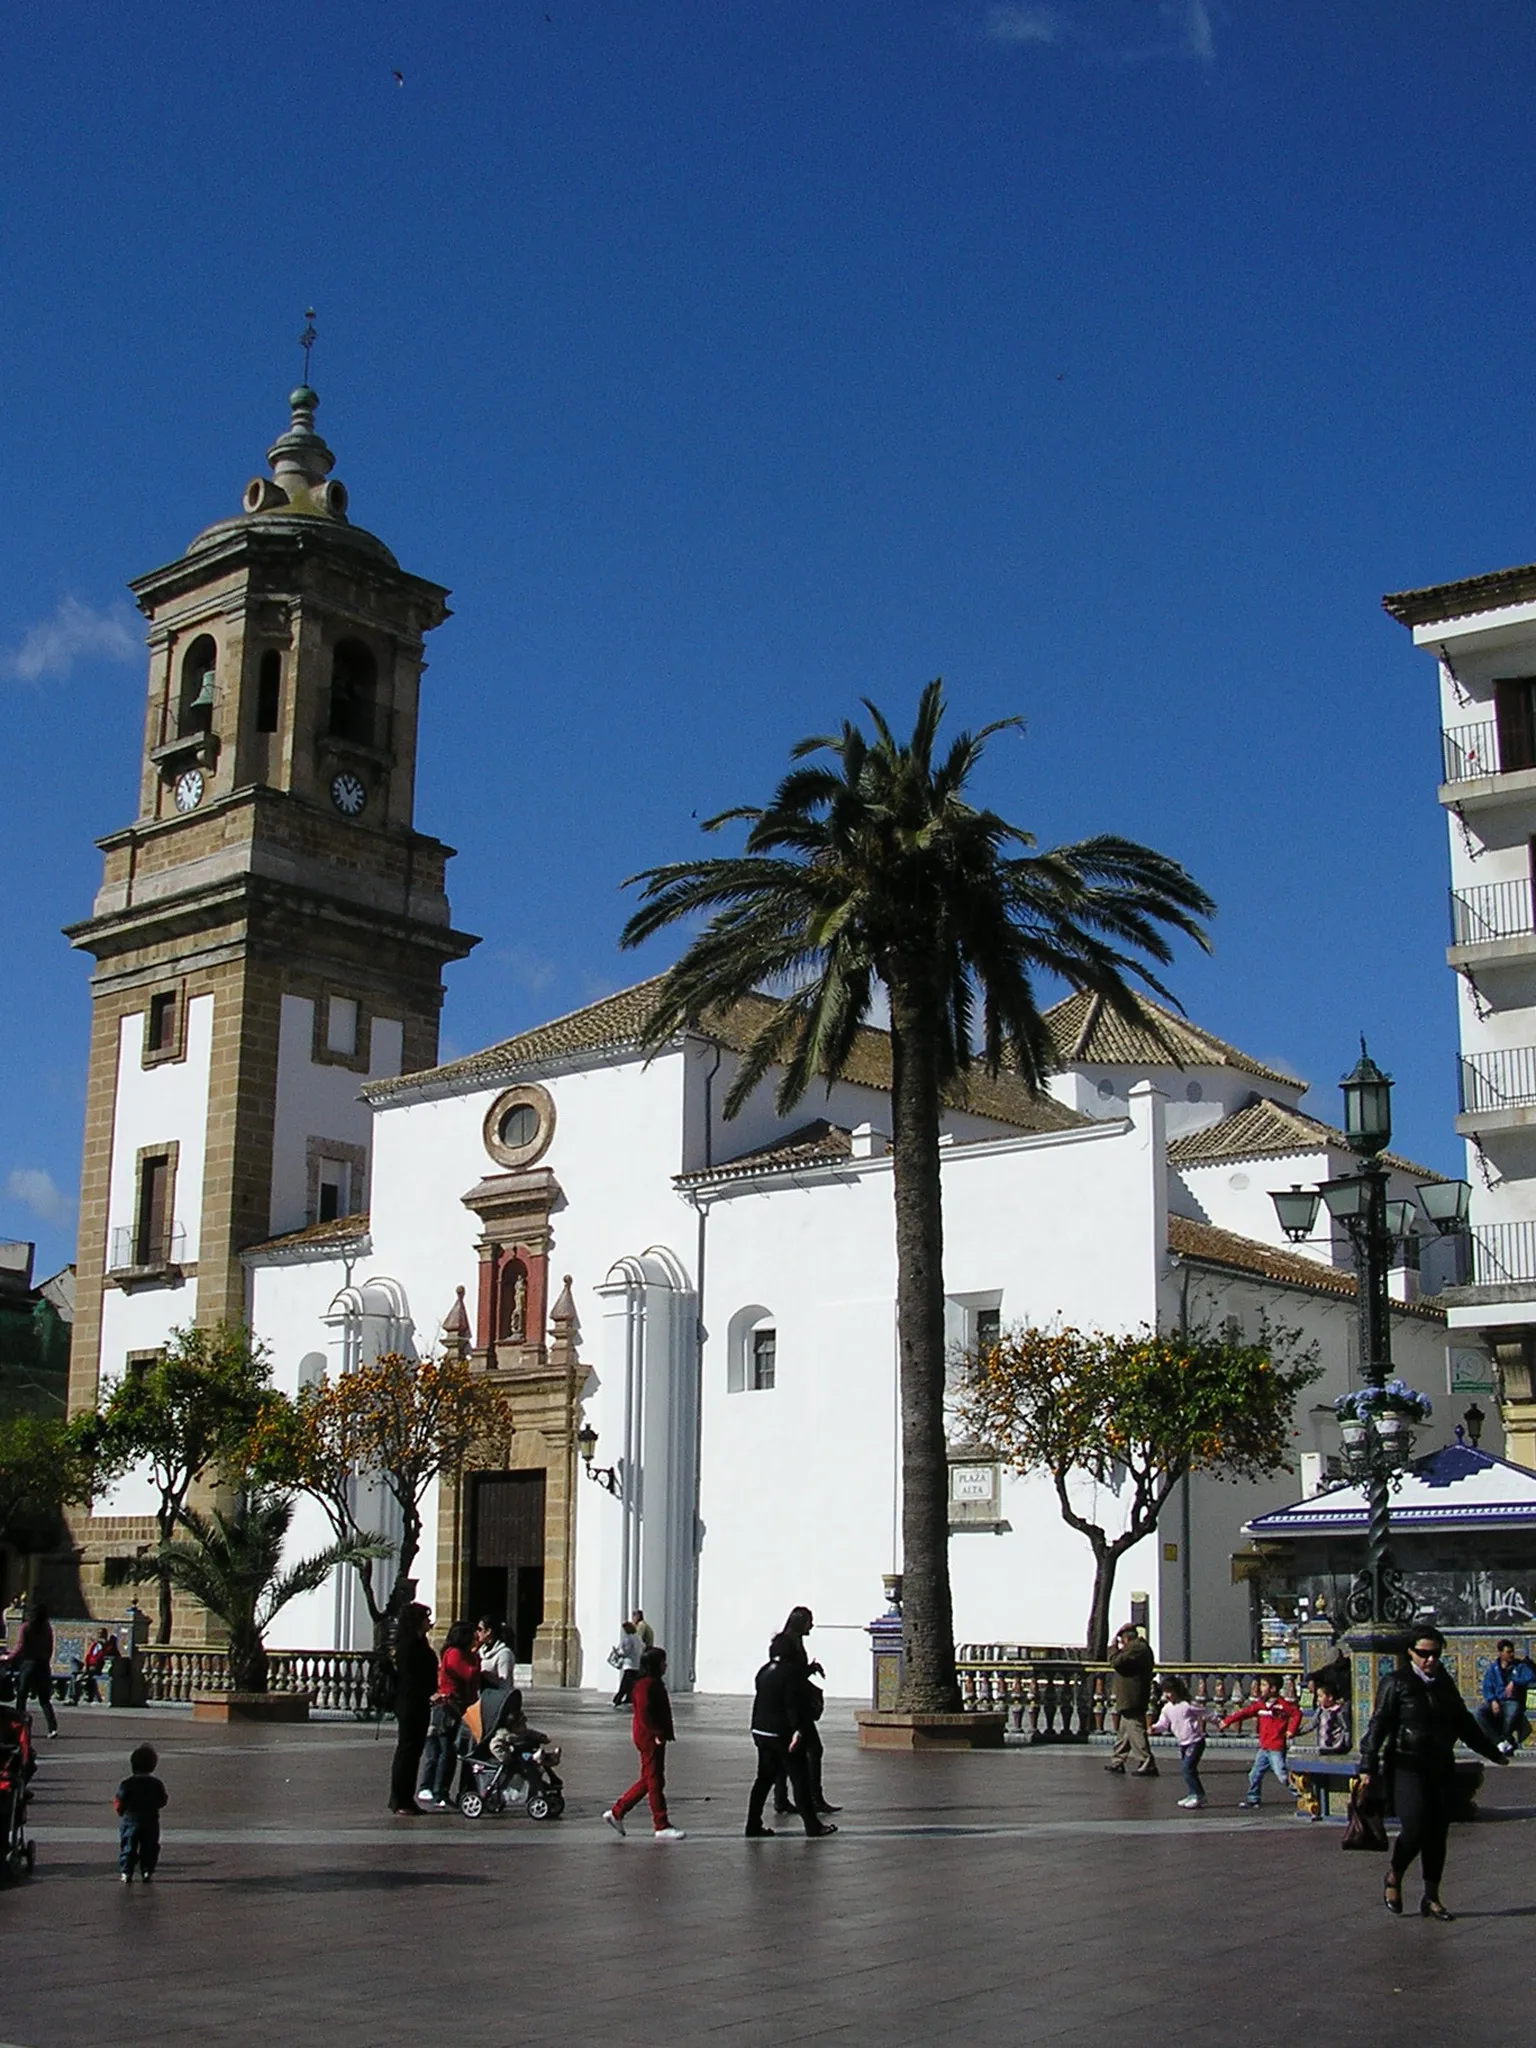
(602, 1475)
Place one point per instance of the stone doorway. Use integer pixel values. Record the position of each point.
(505, 1570)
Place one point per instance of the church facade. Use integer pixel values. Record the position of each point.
(694, 1320)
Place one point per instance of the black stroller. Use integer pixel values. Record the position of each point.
(17, 1853)
(517, 1775)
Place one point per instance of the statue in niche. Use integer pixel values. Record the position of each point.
(517, 1312)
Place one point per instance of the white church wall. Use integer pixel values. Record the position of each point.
(317, 1099)
(157, 1105)
(801, 1482)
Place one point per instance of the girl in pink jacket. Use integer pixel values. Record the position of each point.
(1186, 1723)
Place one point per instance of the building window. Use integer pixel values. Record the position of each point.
(341, 1026)
(153, 1240)
(519, 1125)
(194, 699)
(269, 690)
(1514, 710)
(164, 1025)
(354, 688)
(986, 1328)
(337, 1175)
(765, 1346)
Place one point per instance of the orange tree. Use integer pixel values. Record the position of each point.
(402, 1421)
(1134, 1413)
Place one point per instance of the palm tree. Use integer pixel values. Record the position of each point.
(873, 868)
(232, 1564)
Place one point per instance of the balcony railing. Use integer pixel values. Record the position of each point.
(1469, 750)
(147, 1249)
(1503, 1253)
(1067, 1699)
(1498, 1080)
(337, 1681)
(1494, 910)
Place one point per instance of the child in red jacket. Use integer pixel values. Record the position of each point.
(651, 1730)
(1278, 1720)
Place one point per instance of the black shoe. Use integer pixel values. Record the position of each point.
(781, 1811)
(1115, 1770)
(825, 1828)
(1392, 1893)
(824, 1808)
(1146, 1771)
(758, 1834)
(1431, 1909)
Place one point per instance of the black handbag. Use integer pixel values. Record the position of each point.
(1366, 1824)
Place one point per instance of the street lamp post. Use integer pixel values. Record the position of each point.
(1376, 1442)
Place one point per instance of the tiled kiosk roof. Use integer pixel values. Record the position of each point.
(1205, 1245)
(1462, 599)
(1087, 1032)
(614, 1025)
(1456, 1487)
(1269, 1130)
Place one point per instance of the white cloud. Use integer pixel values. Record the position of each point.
(1023, 25)
(35, 1190)
(51, 649)
(1198, 39)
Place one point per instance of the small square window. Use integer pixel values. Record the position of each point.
(341, 1026)
(987, 1328)
(765, 1346)
(331, 1201)
(160, 1034)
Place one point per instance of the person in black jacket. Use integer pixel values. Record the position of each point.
(415, 1683)
(1419, 1718)
(806, 1671)
(780, 1713)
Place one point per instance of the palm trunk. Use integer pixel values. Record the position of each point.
(929, 1683)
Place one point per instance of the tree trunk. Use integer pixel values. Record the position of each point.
(1105, 1562)
(165, 1520)
(247, 1661)
(929, 1683)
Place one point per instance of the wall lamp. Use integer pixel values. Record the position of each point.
(603, 1475)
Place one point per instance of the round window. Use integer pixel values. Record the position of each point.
(519, 1127)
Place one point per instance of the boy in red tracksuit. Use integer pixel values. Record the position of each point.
(1278, 1720)
(651, 1729)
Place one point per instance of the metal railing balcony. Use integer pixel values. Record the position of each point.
(1503, 1254)
(1498, 1080)
(135, 1249)
(1493, 910)
(1469, 750)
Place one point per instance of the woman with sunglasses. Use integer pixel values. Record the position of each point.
(1419, 1718)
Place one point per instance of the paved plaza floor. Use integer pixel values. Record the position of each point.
(1020, 1896)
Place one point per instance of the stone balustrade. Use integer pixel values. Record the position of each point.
(1067, 1699)
(336, 1680)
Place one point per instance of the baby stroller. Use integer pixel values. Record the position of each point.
(512, 1767)
(17, 1854)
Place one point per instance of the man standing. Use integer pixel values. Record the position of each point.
(1132, 1664)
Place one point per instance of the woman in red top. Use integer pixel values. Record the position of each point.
(651, 1729)
(458, 1682)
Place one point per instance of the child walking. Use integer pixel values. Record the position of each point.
(138, 1801)
(1186, 1723)
(1278, 1719)
(651, 1730)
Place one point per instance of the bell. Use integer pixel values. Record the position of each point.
(203, 701)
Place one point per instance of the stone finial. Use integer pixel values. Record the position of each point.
(301, 463)
(456, 1326)
(566, 1328)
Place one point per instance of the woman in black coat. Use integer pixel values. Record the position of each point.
(803, 1670)
(1419, 1718)
(415, 1683)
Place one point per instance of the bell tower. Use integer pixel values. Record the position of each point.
(271, 930)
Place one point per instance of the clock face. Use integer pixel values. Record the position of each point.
(189, 789)
(348, 795)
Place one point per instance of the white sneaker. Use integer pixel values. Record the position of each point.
(424, 1797)
(614, 1820)
(1191, 1801)
(1506, 1749)
(670, 1835)
(125, 1877)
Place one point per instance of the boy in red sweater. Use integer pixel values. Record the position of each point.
(651, 1730)
(1278, 1720)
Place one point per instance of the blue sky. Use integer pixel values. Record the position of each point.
(733, 361)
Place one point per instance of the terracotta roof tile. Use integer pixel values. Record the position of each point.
(814, 1144)
(1208, 1246)
(1087, 1032)
(1268, 1130)
(317, 1237)
(1461, 600)
(614, 1025)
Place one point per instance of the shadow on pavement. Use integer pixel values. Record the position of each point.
(337, 1881)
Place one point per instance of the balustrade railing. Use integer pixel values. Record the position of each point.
(1503, 1253)
(1068, 1699)
(1469, 750)
(1493, 910)
(1498, 1080)
(336, 1680)
(134, 1248)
